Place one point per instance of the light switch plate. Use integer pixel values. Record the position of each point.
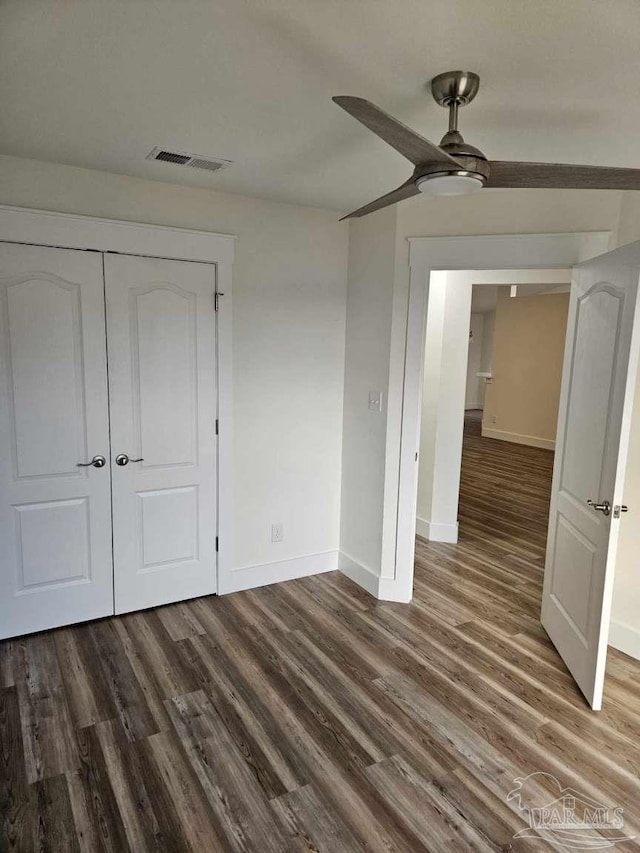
(375, 401)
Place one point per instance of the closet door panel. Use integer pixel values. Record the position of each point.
(55, 516)
(161, 341)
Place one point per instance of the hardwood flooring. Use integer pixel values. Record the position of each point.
(308, 717)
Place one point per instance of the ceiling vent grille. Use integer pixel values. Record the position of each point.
(193, 161)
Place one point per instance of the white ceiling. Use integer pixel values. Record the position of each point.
(98, 83)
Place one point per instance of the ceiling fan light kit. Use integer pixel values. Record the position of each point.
(450, 183)
(454, 167)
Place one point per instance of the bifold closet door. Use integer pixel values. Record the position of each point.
(55, 508)
(162, 381)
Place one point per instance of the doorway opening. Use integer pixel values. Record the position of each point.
(494, 348)
(518, 316)
(596, 399)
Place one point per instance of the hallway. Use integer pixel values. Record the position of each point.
(495, 571)
(504, 498)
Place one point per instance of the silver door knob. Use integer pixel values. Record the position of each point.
(96, 462)
(123, 459)
(604, 507)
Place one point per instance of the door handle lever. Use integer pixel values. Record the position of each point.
(604, 507)
(123, 459)
(96, 462)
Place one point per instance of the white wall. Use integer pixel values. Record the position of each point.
(488, 329)
(474, 394)
(509, 212)
(368, 334)
(443, 392)
(289, 283)
(431, 398)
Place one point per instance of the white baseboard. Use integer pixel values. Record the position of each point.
(359, 574)
(436, 532)
(384, 589)
(390, 590)
(251, 577)
(518, 438)
(625, 638)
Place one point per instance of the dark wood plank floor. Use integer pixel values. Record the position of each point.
(308, 717)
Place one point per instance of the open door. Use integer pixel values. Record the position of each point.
(598, 383)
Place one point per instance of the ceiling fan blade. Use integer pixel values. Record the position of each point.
(505, 173)
(405, 190)
(410, 144)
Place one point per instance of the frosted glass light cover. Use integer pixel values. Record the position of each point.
(449, 184)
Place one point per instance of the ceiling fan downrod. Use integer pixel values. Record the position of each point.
(453, 116)
(452, 90)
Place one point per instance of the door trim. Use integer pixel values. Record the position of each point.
(88, 233)
(73, 231)
(509, 251)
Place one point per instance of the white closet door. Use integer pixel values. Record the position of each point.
(162, 381)
(55, 517)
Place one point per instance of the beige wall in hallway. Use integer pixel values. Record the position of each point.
(521, 403)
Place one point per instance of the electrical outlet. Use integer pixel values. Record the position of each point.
(493, 419)
(277, 534)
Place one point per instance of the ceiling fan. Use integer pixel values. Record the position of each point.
(456, 168)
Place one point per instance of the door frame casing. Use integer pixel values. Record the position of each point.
(88, 233)
(427, 254)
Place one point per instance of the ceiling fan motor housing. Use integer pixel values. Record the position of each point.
(452, 90)
(471, 164)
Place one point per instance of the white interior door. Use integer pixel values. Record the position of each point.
(162, 381)
(55, 517)
(598, 382)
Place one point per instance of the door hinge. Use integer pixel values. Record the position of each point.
(216, 300)
(618, 509)
(216, 543)
(217, 426)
